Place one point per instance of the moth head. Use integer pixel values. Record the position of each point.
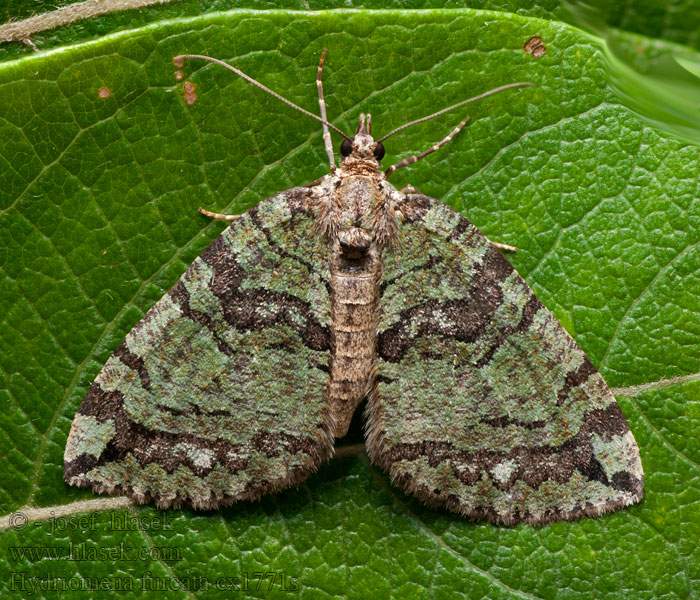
(362, 146)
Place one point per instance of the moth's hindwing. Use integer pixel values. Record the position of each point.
(486, 406)
(217, 394)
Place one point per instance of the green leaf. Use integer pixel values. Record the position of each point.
(102, 168)
(677, 21)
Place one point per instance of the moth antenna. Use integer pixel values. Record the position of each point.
(454, 106)
(265, 89)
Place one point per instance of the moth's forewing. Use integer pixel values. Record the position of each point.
(486, 405)
(217, 394)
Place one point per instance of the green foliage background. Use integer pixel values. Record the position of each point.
(98, 219)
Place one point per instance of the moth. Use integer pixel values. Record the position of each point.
(236, 383)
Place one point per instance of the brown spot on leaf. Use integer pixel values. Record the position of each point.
(104, 92)
(178, 61)
(178, 75)
(535, 47)
(532, 43)
(190, 92)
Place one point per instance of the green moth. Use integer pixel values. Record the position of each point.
(236, 383)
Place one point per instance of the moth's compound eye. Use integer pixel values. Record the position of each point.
(379, 151)
(346, 147)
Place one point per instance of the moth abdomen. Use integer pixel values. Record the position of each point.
(354, 317)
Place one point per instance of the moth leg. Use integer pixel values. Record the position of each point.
(504, 247)
(416, 157)
(322, 103)
(221, 216)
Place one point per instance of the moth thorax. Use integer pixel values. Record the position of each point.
(354, 242)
